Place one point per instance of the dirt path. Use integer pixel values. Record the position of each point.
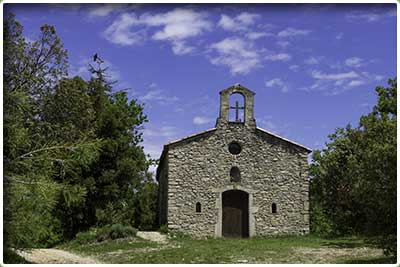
(329, 255)
(52, 256)
(152, 236)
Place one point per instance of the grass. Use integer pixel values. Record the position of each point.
(289, 249)
(10, 257)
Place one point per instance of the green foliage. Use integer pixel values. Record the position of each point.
(10, 257)
(148, 205)
(121, 231)
(30, 70)
(86, 237)
(163, 229)
(100, 234)
(319, 222)
(72, 158)
(353, 185)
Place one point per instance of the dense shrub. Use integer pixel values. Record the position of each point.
(319, 222)
(163, 229)
(86, 237)
(353, 179)
(10, 257)
(121, 231)
(114, 231)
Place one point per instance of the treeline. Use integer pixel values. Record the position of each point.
(72, 154)
(353, 180)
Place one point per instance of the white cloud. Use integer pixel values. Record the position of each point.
(158, 96)
(168, 131)
(164, 131)
(227, 23)
(176, 27)
(279, 57)
(257, 35)
(339, 36)
(238, 23)
(336, 83)
(181, 48)
(201, 120)
(355, 62)
(177, 24)
(247, 18)
(102, 10)
(119, 32)
(153, 85)
(370, 14)
(333, 76)
(277, 82)
(356, 15)
(238, 55)
(154, 150)
(289, 32)
(312, 60)
(283, 44)
(267, 123)
(336, 65)
(294, 68)
(379, 77)
(355, 83)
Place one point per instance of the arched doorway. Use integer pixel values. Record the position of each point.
(235, 213)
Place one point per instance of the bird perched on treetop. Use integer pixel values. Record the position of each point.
(95, 57)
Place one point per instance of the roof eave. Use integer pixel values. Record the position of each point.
(309, 150)
(176, 142)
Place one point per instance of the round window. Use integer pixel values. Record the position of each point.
(234, 148)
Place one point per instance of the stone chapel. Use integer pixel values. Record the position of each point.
(234, 180)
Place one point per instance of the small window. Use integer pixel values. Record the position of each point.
(198, 207)
(234, 148)
(273, 207)
(235, 174)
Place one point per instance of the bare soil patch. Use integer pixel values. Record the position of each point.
(52, 256)
(328, 255)
(152, 236)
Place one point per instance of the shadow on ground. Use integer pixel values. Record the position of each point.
(382, 260)
(348, 242)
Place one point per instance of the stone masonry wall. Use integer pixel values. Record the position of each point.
(273, 170)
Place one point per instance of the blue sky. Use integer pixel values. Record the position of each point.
(313, 67)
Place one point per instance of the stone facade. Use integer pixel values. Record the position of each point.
(196, 171)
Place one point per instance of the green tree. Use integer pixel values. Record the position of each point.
(148, 205)
(72, 154)
(122, 165)
(353, 184)
(30, 193)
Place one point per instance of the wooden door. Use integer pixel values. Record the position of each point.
(235, 214)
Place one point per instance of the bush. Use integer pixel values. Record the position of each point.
(103, 233)
(320, 224)
(121, 231)
(114, 231)
(10, 257)
(163, 229)
(86, 237)
(389, 244)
